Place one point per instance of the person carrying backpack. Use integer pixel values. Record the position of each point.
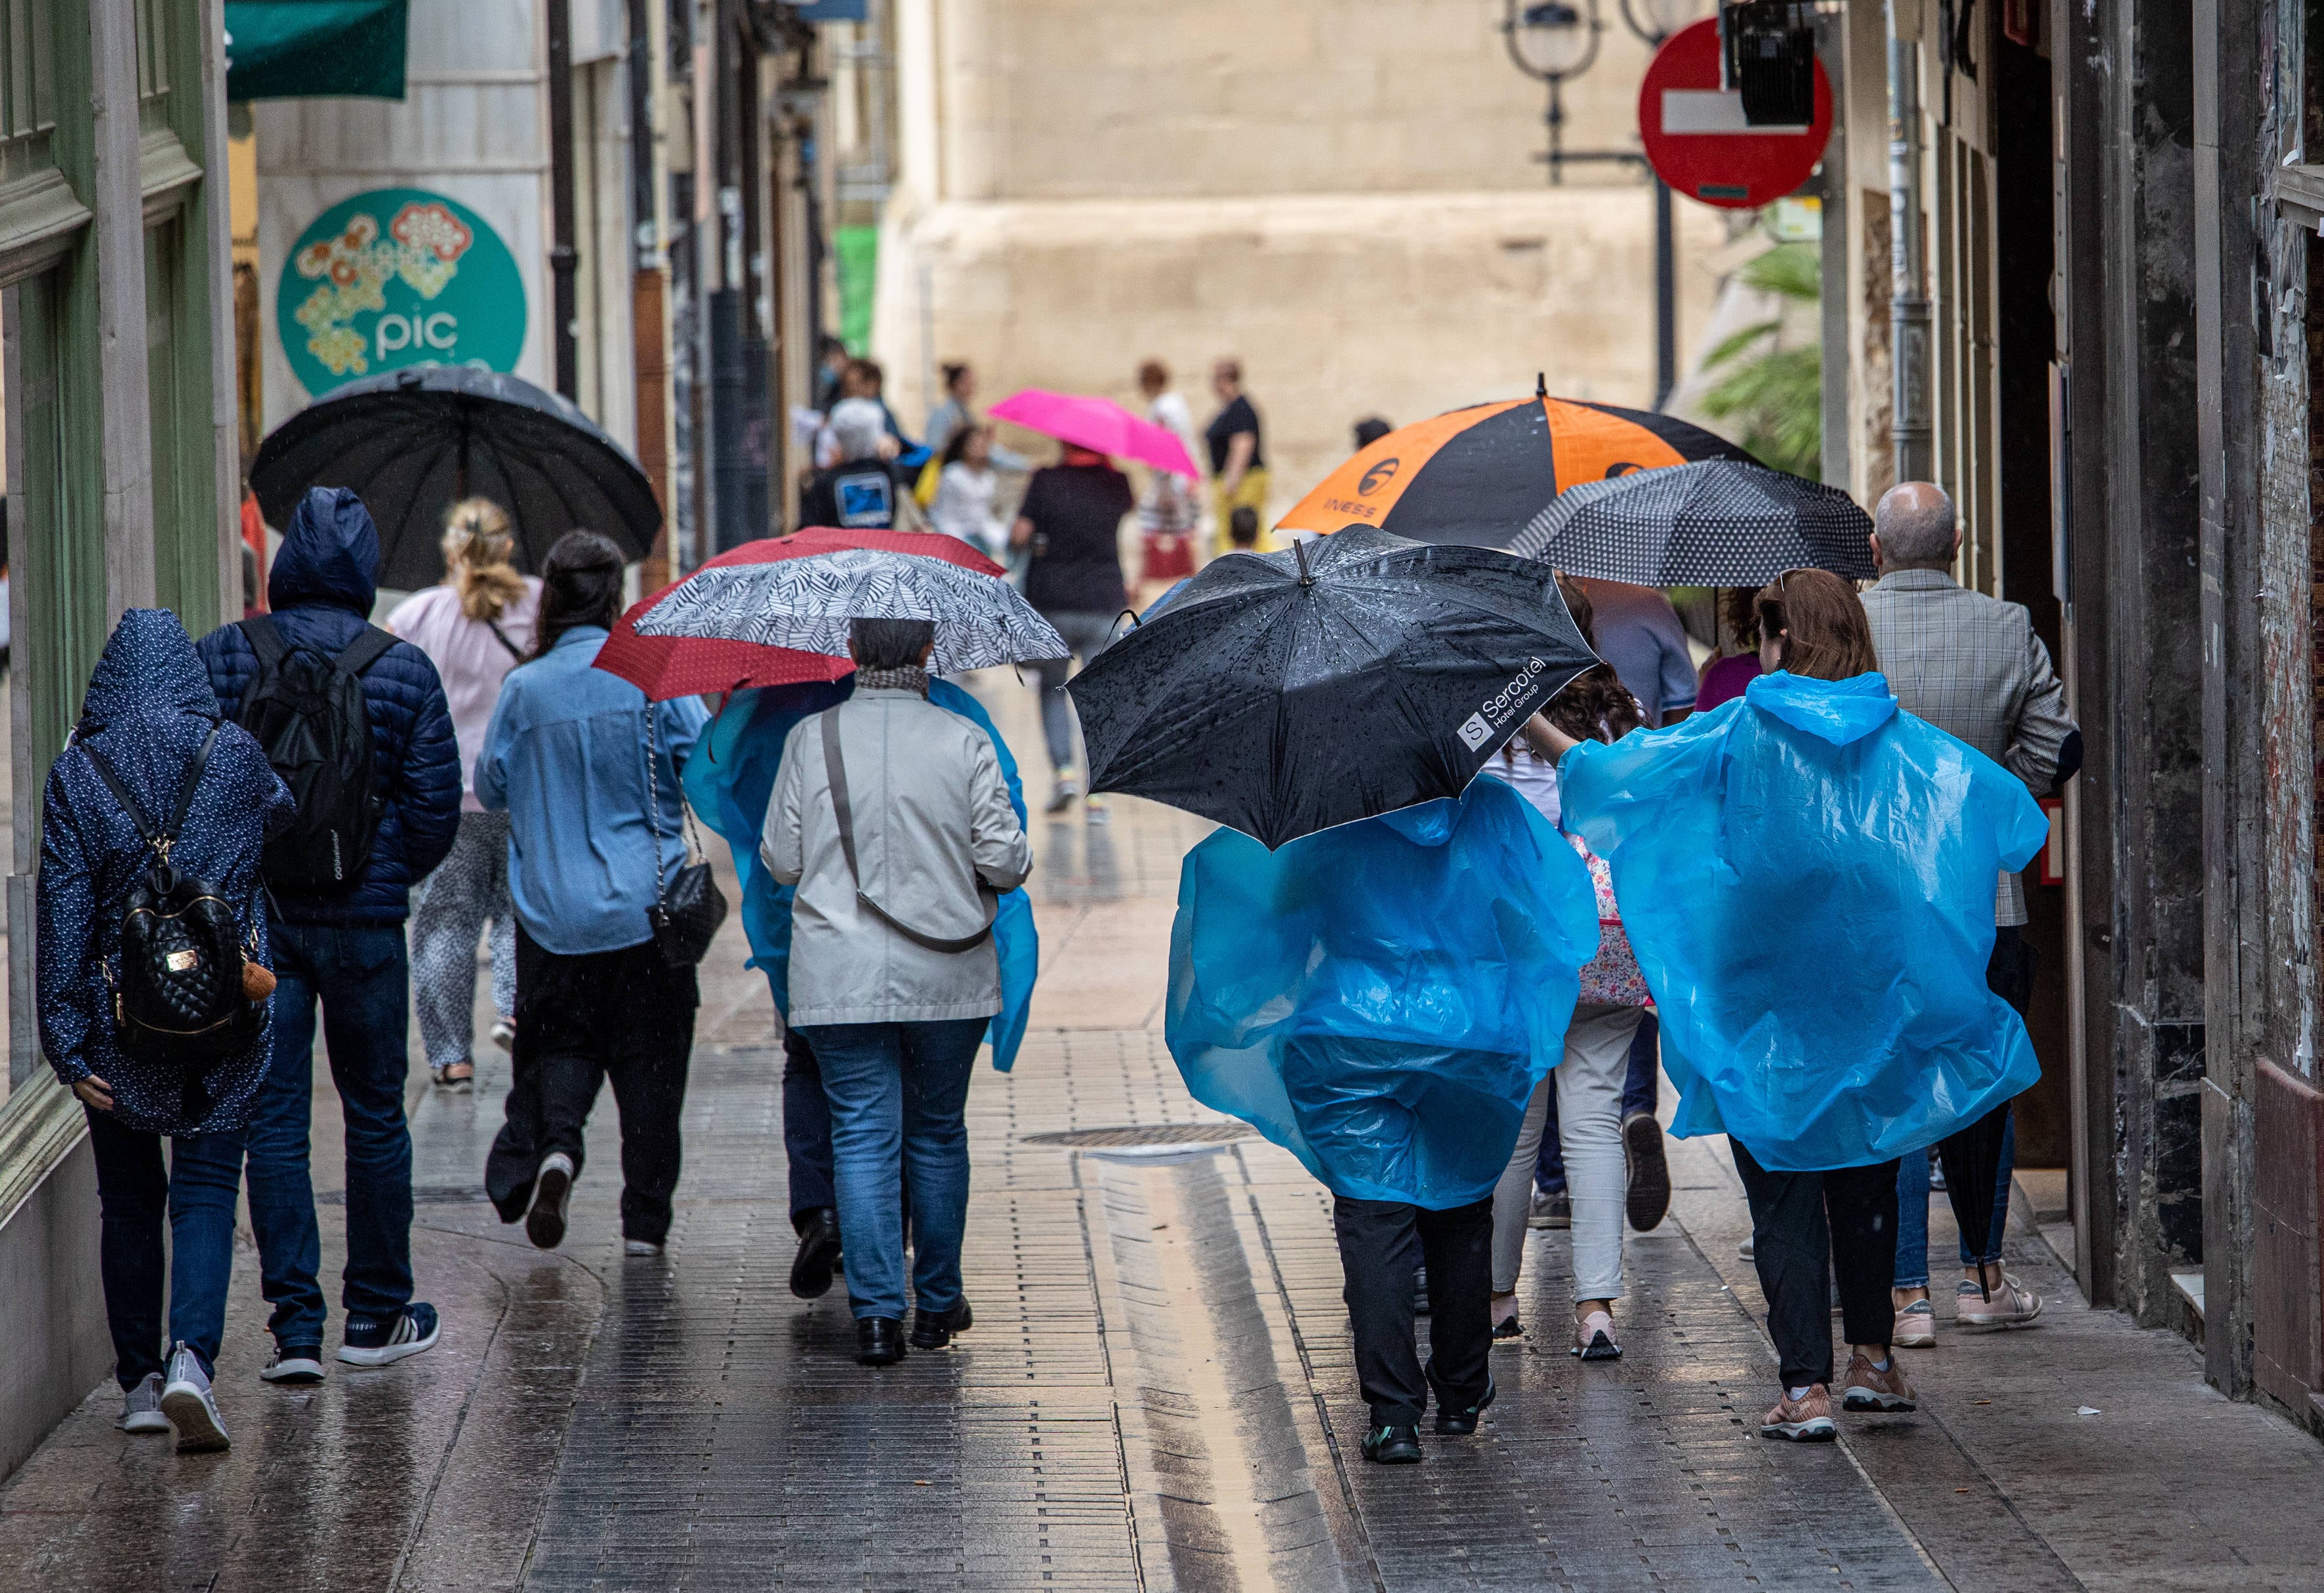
(152, 824)
(356, 724)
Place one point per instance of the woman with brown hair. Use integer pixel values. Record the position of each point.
(1808, 879)
(474, 628)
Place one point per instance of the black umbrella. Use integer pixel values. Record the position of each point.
(1282, 693)
(416, 441)
(1972, 1158)
(1722, 522)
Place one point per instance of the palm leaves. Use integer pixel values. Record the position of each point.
(1775, 392)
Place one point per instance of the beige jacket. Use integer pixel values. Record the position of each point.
(932, 819)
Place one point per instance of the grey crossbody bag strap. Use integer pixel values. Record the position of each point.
(836, 771)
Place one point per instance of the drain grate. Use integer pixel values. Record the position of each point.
(1145, 1133)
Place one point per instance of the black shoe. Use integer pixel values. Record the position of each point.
(1650, 1186)
(1460, 1423)
(879, 1341)
(1511, 1328)
(1420, 1292)
(933, 1329)
(818, 1253)
(544, 1224)
(1393, 1446)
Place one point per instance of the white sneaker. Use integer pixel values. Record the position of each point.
(641, 1247)
(504, 1034)
(293, 1365)
(2013, 1304)
(1094, 811)
(1749, 1249)
(186, 1401)
(141, 1407)
(1916, 1327)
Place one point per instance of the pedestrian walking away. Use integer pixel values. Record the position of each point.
(1972, 666)
(474, 628)
(1836, 780)
(1170, 514)
(356, 723)
(962, 505)
(153, 807)
(858, 491)
(1587, 1087)
(588, 771)
(1070, 526)
(893, 972)
(1237, 457)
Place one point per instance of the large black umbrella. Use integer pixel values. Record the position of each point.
(416, 441)
(1972, 1158)
(1282, 693)
(1722, 523)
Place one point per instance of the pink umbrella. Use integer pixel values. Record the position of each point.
(1100, 425)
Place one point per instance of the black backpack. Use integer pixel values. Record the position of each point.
(179, 998)
(308, 712)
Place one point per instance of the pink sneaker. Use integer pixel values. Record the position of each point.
(1869, 1388)
(1802, 1421)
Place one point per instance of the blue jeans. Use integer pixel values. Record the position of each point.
(360, 976)
(1641, 1092)
(898, 1092)
(1912, 1212)
(198, 1190)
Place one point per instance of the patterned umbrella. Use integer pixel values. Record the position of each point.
(663, 667)
(1479, 475)
(810, 604)
(1719, 523)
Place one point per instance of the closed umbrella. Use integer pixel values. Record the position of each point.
(1284, 693)
(1100, 425)
(414, 442)
(1972, 1158)
(811, 605)
(1723, 523)
(1479, 475)
(663, 667)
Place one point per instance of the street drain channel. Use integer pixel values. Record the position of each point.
(1148, 1133)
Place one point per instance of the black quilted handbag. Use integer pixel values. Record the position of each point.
(179, 998)
(688, 906)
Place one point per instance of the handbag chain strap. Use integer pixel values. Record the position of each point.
(653, 807)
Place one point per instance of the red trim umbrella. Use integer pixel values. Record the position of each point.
(664, 667)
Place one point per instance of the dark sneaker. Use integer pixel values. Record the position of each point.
(933, 1329)
(187, 1402)
(1865, 1387)
(294, 1363)
(1061, 794)
(141, 1407)
(1507, 1329)
(544, 1225)
(818, 1254)
(1460, 1422)
(1550, 1211)
(1802, 1420)
(1650, 1183)
(1393, 1446)
(381, 1341)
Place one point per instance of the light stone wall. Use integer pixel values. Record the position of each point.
(1339, 192)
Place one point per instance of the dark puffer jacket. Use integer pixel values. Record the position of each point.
(148, 708)
(322, 587)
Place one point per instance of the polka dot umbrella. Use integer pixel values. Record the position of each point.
(1722, 523)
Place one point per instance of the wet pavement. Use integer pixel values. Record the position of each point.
(1157, 1393)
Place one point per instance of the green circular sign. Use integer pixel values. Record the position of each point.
(398, 276)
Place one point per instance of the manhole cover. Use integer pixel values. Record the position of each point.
(1149, 1133)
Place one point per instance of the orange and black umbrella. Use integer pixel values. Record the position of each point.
(1479, 476)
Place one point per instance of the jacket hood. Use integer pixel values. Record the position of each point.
(149, 666)
(1839, 711)
(330, 554)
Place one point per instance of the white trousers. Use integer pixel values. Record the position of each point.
(1588, 1085)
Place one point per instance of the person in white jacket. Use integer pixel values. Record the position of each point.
(891, 818)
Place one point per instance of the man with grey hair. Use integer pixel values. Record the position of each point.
(1972, 666)
(859, 492)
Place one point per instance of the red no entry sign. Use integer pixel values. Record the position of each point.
(1697, 140)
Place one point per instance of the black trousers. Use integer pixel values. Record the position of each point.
(1381, 1243)
(1805, 1226)
(624, 1015)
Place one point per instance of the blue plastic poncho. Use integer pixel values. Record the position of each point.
(730, 782)
(1807, 876)
(1381, 998)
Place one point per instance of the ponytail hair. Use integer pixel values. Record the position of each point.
(580, 585)
(477, 553)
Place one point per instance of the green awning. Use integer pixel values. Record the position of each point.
(315, 49)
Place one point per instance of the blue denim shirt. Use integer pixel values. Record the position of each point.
(565, 758)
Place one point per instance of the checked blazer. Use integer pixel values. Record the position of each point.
(1972, 666)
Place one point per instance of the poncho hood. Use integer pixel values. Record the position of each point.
(1840, 711)
(1426, 824)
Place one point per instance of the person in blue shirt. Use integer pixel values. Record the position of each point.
(588, 772)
